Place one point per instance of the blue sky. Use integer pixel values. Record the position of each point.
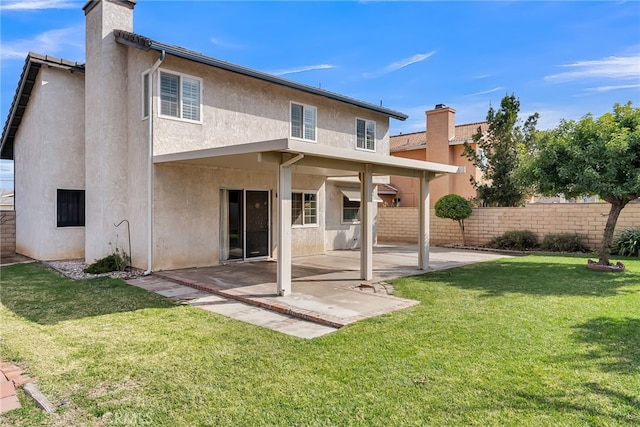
(562, 59)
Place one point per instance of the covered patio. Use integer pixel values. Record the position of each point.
(287, 156)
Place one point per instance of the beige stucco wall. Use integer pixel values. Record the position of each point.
(49, 156)
(239, 109)
(187, 213)
(586, 219)
(340, 235)
(137, 160)
(106, 125)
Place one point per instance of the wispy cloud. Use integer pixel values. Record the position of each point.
(303, 69)
(612, 67)
(600, 89)
(484, 92)
(224, 44)
(395, 66)
(63, 42)
(403, 63)
(27, 5)
(481, 76)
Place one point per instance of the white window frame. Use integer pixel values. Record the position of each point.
(482, 157)
(146, 98)
(181, 77)
(342, 219)
(315, 121)
(366, 123)
(304, 224)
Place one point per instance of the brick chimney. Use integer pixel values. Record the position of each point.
(106, 123)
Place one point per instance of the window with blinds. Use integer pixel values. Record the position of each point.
(180, 96)
(366, 134)
(303, 122)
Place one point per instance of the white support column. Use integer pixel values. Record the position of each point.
(284, 230)
(366, 224)
(423, 223)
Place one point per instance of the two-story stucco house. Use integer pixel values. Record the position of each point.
(208, 161)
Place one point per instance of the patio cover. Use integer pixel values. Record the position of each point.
(285, 155)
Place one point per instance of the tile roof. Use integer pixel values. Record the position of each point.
(408, 141)
(32, 65)
(145, 43)
(466, 131)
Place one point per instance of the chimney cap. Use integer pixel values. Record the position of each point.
(438, 106)
(92, 3)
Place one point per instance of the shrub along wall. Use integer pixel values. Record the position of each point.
(586, 219)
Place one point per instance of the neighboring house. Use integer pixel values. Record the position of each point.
(442, 142)
(208, 161)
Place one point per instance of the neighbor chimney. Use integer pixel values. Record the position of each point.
(441, 124)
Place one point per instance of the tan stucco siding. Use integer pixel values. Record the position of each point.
(239, 109)
(310, 240)
(187, 228)
(137, 159)
(338, 234)
(106, 128)
(49, 157)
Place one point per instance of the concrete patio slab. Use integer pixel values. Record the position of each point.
(325, 288)
(231, 308)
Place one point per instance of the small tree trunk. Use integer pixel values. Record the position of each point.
(464, 238)
(616, 207)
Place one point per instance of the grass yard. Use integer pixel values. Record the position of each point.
(528, 341)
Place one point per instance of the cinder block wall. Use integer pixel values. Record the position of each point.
(7, 232)
(586, 219)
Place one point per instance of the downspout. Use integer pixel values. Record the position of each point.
(150, 170)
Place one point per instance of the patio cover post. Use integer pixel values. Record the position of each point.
(423, 223)
(366, 224)
(284, 230)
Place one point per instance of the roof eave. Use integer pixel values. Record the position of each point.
(145, 43)
(20, 100)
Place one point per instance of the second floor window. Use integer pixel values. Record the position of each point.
(366, 134)
(180, 96)
(303, 122)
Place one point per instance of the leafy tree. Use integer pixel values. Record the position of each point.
(456, 208)
(590, 157)
(497, 156)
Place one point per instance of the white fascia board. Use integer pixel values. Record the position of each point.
(313, 150)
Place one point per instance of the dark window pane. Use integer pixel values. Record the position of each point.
(70, 208)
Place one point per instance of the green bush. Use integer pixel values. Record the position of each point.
(113, 262)
(521, 240)
(565, 242)
(628, 243)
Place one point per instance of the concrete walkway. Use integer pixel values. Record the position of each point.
(231, 308)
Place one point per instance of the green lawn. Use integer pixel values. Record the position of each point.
(528, 341)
